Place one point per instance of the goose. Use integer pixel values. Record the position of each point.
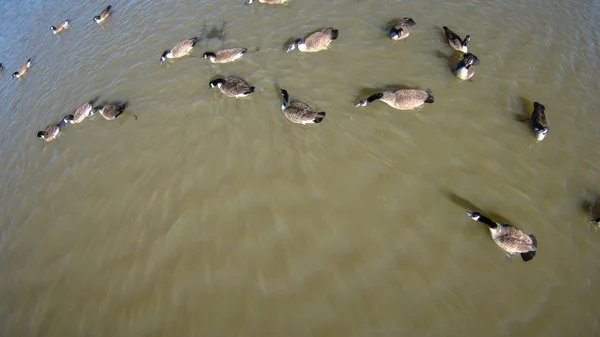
(298, 112)
(508, 237)
(268, 2)
(538, 122)
(456, 42)
(401, 29)
(105, 13)
(181, 49)
(51, 131)
(225, 55)
(315, 42)
(595, 221)
(22, 69)
(401, 99)
(112, 111)
(232, 87)
(80, 114)
(1, 67)
(63, 25)
(465, 68)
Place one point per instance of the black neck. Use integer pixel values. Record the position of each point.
(489, 222)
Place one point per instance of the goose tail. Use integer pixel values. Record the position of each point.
(430, 98)
(320, 117)
(334, 34)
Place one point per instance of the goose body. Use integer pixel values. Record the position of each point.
(298, 112)
(50, 132)
(80, 114)
(401, 29)
(22, 69)
(112, 111)
(401, 99)
(508, 237)
(465, 68)
(181, 49)
(105, 13)
(225, 55)
(315, 42)
(232, 87)
(61, 27)
(538, 122)
(455, 41)
(269, 2)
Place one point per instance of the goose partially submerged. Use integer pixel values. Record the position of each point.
(456, 42)
(232, 86)
(401, 99)
(51, 131)
(225, 55)
(298, 112)
(61, 27)
(316, 41)
(401, 29)
(181, 49)
(538, 122)
(22, 69)
(465, 68)
(80, 114)
(508, 237)
(105, 13)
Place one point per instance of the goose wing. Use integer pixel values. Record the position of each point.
(513, 240)
(539, 114)
(320, 39)
(235, 86)
(230, 54)
(183, 47)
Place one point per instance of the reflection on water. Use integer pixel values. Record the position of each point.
(214, 216)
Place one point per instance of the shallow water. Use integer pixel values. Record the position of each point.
(210, 216)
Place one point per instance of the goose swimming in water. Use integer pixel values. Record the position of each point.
(538, 122)
(181, 49)
(298, 112)
(232, 87)
(401, 99)
(401, 30)
(111, 111)
(22, 69)
(465, 68)
(508, 237)
(105, 13)
(225, 55)
(80, 114)
(50, 132)
(315, 42)
(61, 27)
(456, 42)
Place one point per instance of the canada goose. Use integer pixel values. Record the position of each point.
(22, 69)
(232, 87)
(401, 99)
(508, 237)
(538, 122)
(456, 42)
(63, 25)
(316, 41)
(105, 13)
(465, 68)
(268, 2)
(51, 131)
(1, 67)
(595, 221)
(401, 29)
(225, 55)
(298, 112)
(80, 114)
(181, 49)
(111, 111)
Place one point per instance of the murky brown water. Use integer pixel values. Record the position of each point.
(210, 216)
